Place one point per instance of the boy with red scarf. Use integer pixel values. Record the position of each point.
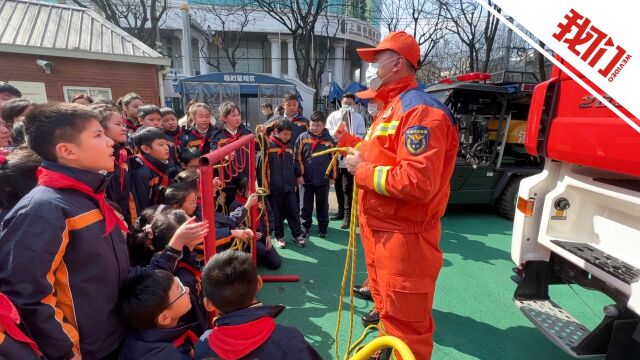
(119, 188)
(152, 170)
(173, 131)
(282, 173)
(246, 328)
(315, 181)
(63, 235)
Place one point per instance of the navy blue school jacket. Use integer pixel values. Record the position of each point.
(300, 125)
(174, 138)
(189, 271)
(314, 169)
(147, 184)
(221, 137)
(62, 272)
(193, 140)
(251, 333)
(119, 187)
(12, 349)
(281, 169)
(158, 344)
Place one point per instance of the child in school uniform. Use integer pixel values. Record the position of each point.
(283, 173)
(152, 170)
(316, 183)
(198, 135)
(293, 114)
(129, 105)
(173, 131)
(150, 116)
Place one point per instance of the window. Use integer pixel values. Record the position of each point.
(95, 92)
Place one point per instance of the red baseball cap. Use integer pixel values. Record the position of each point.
(400, 42)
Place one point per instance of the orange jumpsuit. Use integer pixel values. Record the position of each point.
(403, 188)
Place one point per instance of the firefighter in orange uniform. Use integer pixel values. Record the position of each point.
(402, 169)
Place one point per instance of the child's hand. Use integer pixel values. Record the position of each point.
(189, 234)
(332, 182)
(300, 180)
(251, 201)
(268, 242)
(258, 235)
(242, 234)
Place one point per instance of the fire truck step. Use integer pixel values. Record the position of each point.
(557, 324)
(607, 263)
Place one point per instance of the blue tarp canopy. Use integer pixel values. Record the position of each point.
(249, 83)
(355, 87)
(335, 92)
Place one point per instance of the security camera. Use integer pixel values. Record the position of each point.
(45, 65)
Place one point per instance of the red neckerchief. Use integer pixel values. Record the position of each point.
(314, 143)
(187, 335)
(121, 161)
(55, 180)
(9, 318)
(204, 139)
(176, 138)
(236, 341)
(130, 125)
(190, 268)
(164, 179)
(3, 159)
(232, 137)
(241, 199)
(282, 146)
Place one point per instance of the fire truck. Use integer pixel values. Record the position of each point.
(578, 221)
(491, 112)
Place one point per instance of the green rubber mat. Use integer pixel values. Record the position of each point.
(475, 316)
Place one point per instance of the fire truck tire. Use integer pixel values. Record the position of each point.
(507, 201)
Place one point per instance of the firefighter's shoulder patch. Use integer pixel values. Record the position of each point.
(417, 139)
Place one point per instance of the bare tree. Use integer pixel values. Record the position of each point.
(424, 19)
(489, 35)
(140, 18)
(313, 30)
(231, 22)
(464, 19)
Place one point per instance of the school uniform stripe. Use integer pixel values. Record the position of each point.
(60, 298)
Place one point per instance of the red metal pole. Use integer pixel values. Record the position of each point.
(280, 278)
(252, 189)
(208, 209)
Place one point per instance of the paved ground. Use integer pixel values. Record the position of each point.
(475, 317)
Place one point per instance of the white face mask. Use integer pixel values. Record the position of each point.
(372, 108)
(373, 80)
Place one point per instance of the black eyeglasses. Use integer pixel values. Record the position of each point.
(183, 290)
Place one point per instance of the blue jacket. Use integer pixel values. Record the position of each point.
(300, 125)
(119, 188)
(221, 137)
(158, 344)
(281, 169)
(251, 333)
(193, 140)
(314, 169)
(147, 184)
(13, 349)
(60, 270)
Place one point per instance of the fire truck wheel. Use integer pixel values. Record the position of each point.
(507, 200)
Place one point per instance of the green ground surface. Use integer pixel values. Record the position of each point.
(475, 317)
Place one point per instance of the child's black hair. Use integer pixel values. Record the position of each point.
(349, 95)
(289, 97)
(18, 176)
(283, 125)
(164, 226)
(176, 194)
(188, 176)
(267, 106)
(167, 111)
(230, 281)
(243, 186)
(146, 136)
(9, 89)
(15, 108)
(127, 99)
(138, 238)
(318, 116)
(143, 297)
(48, 125)
(18, 136)
(189, 155)
(105, 113)
(146, 110)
